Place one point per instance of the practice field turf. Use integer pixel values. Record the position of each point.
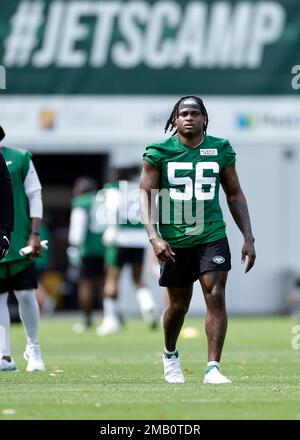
(120, 376)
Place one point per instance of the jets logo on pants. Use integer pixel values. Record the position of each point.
(218, 259)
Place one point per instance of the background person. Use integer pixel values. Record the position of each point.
(125, 241)
(18, 274)
(6, 205)
(86, 249)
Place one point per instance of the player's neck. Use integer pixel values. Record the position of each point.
(191, 142)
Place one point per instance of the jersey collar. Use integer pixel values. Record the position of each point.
(189, 148)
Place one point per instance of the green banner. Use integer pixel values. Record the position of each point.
(139, 47)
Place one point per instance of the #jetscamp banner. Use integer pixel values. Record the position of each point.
(149, 47)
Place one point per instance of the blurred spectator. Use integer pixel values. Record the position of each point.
(125, 241)
(18, 273)
(85, 249)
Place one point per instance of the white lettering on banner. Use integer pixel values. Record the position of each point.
(164, 34)
(158, 51)
(227, 35)
(46, 54)
(22, 40)
(106, 14)
(190, 37)
(128, 54)
(73, 31)
(267, 27)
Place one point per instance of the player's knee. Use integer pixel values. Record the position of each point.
(180, 308)
(216, 296)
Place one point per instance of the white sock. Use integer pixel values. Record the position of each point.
(4, 326)
(145, 299)
(170, 353)
(109, 307)
(213, 364)
(29, 313)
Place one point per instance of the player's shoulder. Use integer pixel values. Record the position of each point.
(163, 145)
(218, 142)
(222, 145)
(17, 152)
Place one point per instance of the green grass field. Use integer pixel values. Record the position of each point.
(120, 376)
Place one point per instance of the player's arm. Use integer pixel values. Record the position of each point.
(6, 208)
(239, 210)
(149, 186)
(112, 203)
(78, 226)
(33, 191)
(77, 232)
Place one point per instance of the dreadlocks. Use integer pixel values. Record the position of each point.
(170, 125)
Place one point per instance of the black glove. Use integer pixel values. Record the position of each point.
(4, 243)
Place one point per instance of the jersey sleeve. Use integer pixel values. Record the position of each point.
(153, 156)
(229, 156)
(25, 164)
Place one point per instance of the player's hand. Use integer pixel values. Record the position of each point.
(162, 249)
(35, 242)
(248, 250)
(4, 243)
(73, 256)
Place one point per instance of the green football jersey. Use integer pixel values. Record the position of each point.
(92, 245)
(189, 210)
(17, 161)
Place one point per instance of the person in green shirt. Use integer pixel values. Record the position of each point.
(18, 273)
(126, 242)
(86, 249)
(184, 172)
(6, 205)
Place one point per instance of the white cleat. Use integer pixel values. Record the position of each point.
(147, 307)
(149, 317)
(109, 326)
(215, 377)
(172, 370)
(33, 356)
(8, 365)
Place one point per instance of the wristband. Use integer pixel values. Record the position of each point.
(35, 233)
